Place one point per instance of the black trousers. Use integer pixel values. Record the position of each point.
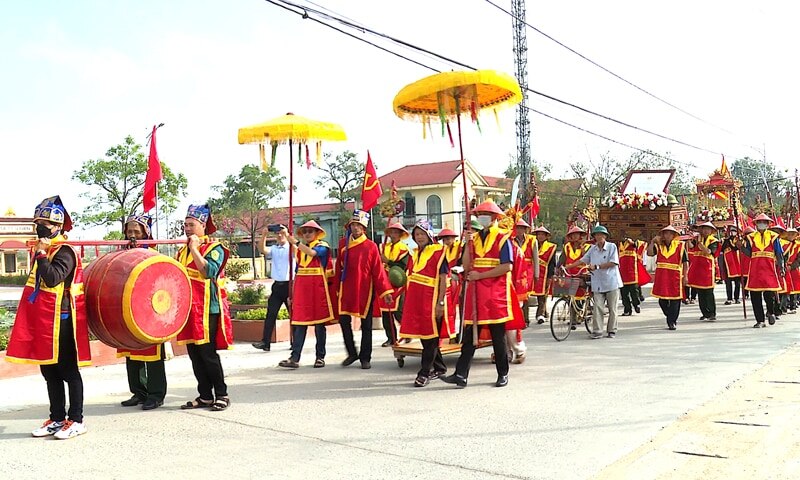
(346, 323)
(278, 297)
(630, 297)
(299, 338)
(498, 331)
(758, 299)
(65, 371)
(147, 380)
(708, 305)
(207, 365)
(671, 309)
(431, 355)
(732, 286)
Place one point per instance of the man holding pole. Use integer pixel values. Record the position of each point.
(488, 260)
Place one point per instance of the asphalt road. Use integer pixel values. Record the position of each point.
(572, 409)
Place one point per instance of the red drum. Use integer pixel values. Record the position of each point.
(136, 298)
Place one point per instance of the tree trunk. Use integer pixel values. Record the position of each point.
(253, 250)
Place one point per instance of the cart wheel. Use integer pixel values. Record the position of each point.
(587, 314)
(560, 324)
(401, 361)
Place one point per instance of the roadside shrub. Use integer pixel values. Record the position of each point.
(260, 314)
(249, 295)
(4, 334)
(13, 279)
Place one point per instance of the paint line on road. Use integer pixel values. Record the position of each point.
(740, 423)
(694, 454)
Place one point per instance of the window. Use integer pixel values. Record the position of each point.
(410, 213)
(434, 207)
(10, 262)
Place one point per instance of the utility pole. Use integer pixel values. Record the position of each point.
(522, 123)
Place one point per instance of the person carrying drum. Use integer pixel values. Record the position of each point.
(209, 326)
(394, 253)
(488, 260)
(426, 317)
(360, 280)
(147, 363)
(54, 335)
(312, 295)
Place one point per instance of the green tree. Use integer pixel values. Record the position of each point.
(114, 235)
(756, 176)
(342, 177)
(243, 198)
(116, 185)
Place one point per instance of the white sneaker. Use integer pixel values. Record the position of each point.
(48, 428)
(70, 429)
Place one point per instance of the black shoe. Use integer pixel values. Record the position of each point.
(502, 381)
(712, 319)
(151, 404)
(261, 346)
(436, 374)
(771, 319)
(132, 402)
(737, 302)
(728, 302)
(349, 360)
(702, 318)
(421, 381)
(759, 325)
(386, 343)
(612, 334)
(288, 363)
(641, 298)
(456, 380)
(637, 309)
(366, 365)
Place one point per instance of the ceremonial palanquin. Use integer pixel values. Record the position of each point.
(715, 197)
(643, 206)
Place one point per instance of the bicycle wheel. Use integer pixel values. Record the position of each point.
(560, 324)
(587, 313)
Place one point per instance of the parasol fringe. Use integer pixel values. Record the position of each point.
(308, 158)
(274, 154)
(442, 116)
(450, 135)
(497, 120)
(424, 127)
(262, 154)
(319, 154)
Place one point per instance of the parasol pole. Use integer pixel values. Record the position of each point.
(291, 232)
(474, 297)
(735, 202)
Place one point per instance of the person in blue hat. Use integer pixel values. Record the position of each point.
(209, 326)
(51, 328)
(147, 364)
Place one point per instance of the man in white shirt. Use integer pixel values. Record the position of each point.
(280, 253)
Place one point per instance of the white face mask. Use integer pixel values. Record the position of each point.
(485, 220)
(761, 226)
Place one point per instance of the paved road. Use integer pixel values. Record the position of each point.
(570, 410)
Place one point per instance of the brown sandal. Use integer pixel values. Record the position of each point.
(196, 403)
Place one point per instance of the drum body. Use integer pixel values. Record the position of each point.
(136, 298)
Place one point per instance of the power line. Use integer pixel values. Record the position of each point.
(303, 12)
(619, 77)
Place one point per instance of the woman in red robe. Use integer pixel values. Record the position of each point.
(423, 318)
(312, 295)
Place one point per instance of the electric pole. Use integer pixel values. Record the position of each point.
(523, 126)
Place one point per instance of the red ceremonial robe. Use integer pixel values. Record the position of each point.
(546, 252)
(419, 315)
(669, 271)
(364, 275)
(628, 263)
(794, 275)
(452, 256)
(573, 254)
(495, 296)
(701, 265)
(313, 293)
(196, 329)
(644, 276)
(730, 257)
(744, 264)
(523, 267)
(34, 338)
(763, 275)
(394, 252)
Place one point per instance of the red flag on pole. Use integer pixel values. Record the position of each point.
(371, 191)
(153, 175)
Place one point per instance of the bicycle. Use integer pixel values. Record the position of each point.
(567, 312)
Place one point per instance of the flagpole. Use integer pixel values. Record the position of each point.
(155, 221)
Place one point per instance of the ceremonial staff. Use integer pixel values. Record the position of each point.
(735, 201)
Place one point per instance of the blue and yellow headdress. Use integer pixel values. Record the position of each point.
(360, 216)
(52, 209)
(146, 221)
(202, 213)
(425, 226)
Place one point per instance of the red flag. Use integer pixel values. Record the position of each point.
(153, 175)
(371, 191)
(535, 207)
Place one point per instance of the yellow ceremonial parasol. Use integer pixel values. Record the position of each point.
(449, 94)
(293, 129)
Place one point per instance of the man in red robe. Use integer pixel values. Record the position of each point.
(361, 278)
(50, 329)
(489, 298)
(672, 265)
(763, 248)
(730, 266)
(702, 250)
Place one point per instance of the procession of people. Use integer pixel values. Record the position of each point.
(472, 288)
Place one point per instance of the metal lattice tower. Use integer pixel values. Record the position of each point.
(524, 160)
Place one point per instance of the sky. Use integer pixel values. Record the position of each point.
(79, 76)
